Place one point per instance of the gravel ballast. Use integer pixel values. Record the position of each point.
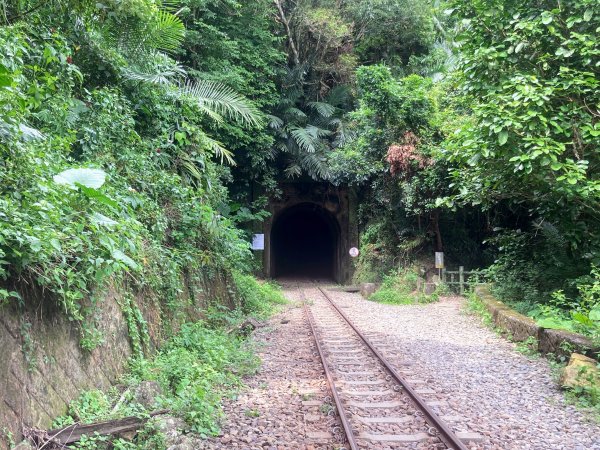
(509, 398)
(487, 387)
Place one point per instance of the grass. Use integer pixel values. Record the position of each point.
(401, 289)
(196, 369)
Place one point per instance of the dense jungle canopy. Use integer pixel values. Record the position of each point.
(133, 133)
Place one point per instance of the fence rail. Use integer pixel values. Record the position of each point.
(458, 278)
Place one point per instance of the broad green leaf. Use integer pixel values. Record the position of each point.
(546, 18)
(588, 14)
(503, 137)
(595, 313)
(118, 255)
(101, 219)
(97, 195)
(90, 178)
(582, 318)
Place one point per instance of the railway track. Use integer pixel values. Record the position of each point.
(376, 404)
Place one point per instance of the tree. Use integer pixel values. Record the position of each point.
(530, 70)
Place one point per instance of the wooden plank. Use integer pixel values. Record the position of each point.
(73, 433)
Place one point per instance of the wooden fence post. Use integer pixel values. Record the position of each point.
(461, 279)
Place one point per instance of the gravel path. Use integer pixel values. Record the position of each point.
(285, 406)
(488, 386)
(507, 397)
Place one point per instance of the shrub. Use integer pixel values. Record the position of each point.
(256, 298)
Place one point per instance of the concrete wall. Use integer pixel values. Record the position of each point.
(520, 328)
(42, 366)
(339, 201)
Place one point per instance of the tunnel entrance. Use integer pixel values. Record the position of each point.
(304, 243)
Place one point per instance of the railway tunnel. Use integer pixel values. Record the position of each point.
(310, 231)
(305, 240)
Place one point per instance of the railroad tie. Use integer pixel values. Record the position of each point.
(369, 393)
(374, 404)
(394, 420)
(417, 437)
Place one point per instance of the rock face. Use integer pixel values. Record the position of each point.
(580, 372)
(38, 380)
(368, 289)
(147, 393)
(172, 429)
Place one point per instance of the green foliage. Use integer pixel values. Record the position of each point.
(401, 289)
(581, 315)
(257, 299)
(195, 369)
(528, 347)
(106, 180)
(530, 144)
(391, 30)
(477, 307)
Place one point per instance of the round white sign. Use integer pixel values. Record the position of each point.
(354, 252)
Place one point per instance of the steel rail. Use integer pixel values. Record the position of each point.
(449, 438)
(336, 397)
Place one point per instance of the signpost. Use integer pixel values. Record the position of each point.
(258, 242)
(439, 262)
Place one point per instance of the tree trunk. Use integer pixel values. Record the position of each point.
(435, 226)
(283, 19)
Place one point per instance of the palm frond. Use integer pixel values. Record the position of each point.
(219, 100)
(315, 165)
(189, 169)
(293, 170)
(340, 97)
(154, 74)
(295, 113)
(318, 132)
(323, 108)
(275, 122)
(217, 148)
(305, 138)
(166, 32)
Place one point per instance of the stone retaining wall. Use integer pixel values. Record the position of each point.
(43, 367)
(522, 327)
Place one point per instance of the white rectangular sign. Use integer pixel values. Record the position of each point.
(439, 260)
(258, 242)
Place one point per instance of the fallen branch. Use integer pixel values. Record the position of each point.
(73, 433)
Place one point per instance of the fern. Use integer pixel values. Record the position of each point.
(323, 108)
(217, 100)
(305, 139)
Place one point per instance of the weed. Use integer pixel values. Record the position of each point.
(528, 347)
(477, 307)
(258, 299)
(252, 413)
(326, 408)
(8, 437)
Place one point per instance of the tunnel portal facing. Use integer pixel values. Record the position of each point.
(305, 243)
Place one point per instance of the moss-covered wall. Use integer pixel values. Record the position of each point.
(43, 367)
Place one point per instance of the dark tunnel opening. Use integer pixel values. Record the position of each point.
(304, 242)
